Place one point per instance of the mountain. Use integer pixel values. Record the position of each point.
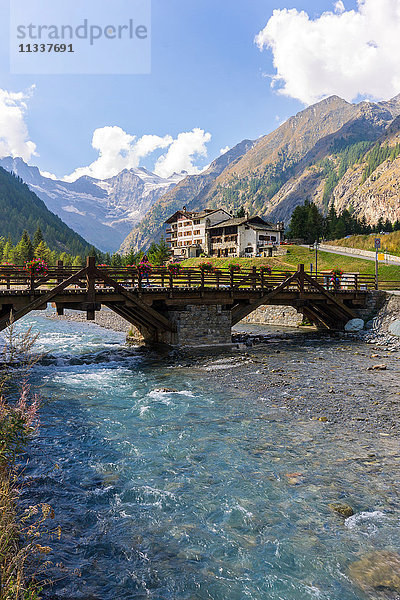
(190, 192)
(103, 212)
(321, 153)
(21, 209)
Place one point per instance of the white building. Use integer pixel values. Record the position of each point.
(187, 231)
(244, 237)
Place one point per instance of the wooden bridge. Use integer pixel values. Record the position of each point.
(155, 304)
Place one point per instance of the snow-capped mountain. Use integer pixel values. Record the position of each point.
(103, 212)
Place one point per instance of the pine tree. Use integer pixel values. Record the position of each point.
(78, 261)
(8, 252)
(43, 252)
(24, 250)
(37, 238)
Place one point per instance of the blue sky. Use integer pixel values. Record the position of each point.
(207, 73)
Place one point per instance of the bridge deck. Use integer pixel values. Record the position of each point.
(145, 300)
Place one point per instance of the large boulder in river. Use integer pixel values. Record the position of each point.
(342, 509)
(378, 572)
(354, 325)
(394, 328)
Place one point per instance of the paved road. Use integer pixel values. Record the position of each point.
(351, 255)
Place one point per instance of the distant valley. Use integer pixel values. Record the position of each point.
(102, 212)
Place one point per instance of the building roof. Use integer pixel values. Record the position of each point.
(194, 215)
(253, 222)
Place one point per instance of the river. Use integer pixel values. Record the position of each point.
(208, 490)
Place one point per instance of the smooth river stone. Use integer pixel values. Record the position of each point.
(394, 328)
(354, 325)
(377, 571)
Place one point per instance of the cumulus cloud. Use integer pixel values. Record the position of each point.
(225, 150)
(119, 150)
(182, 153)
(14, 137)
(348, 53)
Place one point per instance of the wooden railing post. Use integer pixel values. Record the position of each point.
(202, 279)
(356, 282)
(300, 270)
(171, 281)
(60, 266)
(254, 278)
(90, 287)
(232, 278)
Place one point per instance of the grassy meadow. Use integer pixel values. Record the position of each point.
(298, 254)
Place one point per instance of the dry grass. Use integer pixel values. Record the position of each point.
(390, 242)
(20, 534)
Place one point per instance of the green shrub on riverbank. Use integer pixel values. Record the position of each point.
(20, 534)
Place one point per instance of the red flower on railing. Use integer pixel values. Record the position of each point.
(266, 270)
(207, 266)
(144, 268)
(235, 268)
(175, 269)
(37, 267)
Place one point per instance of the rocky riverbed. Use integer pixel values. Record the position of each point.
(338, 381)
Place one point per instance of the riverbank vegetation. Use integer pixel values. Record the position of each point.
(20, 531)
(297, 254)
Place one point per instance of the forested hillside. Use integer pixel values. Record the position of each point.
(21, 209)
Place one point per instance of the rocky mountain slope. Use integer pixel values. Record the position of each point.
(103, 212)
(191, 192)
(323, 153)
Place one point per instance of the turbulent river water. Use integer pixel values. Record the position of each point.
(200, 493)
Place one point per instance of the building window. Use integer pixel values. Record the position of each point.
(232, 250)
(196, 232)
(196, 221)
(273, 238)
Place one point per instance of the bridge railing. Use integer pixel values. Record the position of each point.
(19, 278)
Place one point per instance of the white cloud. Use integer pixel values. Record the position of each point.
(14, 137)
(119, 150)
(339, 7)
(348, 53)
(182, 152)
(225, 150)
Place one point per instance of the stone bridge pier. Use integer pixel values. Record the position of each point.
(196, 326)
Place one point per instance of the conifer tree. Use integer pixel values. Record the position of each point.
(24, 250)
(37, 238)
(43, 252)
